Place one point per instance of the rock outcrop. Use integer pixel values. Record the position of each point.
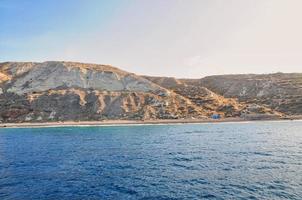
(212, 102)
(37, 77)
(60, 91)
(281, 92)
(70, 91)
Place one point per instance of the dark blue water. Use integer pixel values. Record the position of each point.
(261, 160)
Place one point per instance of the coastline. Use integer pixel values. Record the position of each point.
(134, 122)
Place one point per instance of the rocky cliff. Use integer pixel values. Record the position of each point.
(54, 91)
(212, 102)
(69, 91)
(281, 92)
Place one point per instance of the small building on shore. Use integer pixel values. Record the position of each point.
(216, 116)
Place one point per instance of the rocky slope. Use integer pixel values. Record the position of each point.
(281, 92)
(53, 91)
(36, 77)
(69, 91)
(212, 102)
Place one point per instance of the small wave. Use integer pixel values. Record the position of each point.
(262, 153)
(159, 198)
(183, 166)
(182, 159)
(208, 196)
(124, 190)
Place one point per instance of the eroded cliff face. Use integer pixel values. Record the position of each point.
(62, 91)
(212, 102)
(69, 91)
(79, 105)
(37, 77)
(280, 92)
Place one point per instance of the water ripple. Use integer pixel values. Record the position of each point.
(260, 160)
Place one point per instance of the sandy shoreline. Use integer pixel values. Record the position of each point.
(130, 122)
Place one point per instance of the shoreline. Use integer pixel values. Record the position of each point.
(134, 122)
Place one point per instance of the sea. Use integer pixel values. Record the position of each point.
(247, 160)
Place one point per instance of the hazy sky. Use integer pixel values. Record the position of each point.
(188, 38)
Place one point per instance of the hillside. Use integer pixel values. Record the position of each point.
(280, 91)
(212, 102)
(70, 91)
(59, 91)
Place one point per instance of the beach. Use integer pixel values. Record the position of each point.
(133, 122)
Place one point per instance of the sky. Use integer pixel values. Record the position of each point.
(180, 38)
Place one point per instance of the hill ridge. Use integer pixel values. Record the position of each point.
(67, 90)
